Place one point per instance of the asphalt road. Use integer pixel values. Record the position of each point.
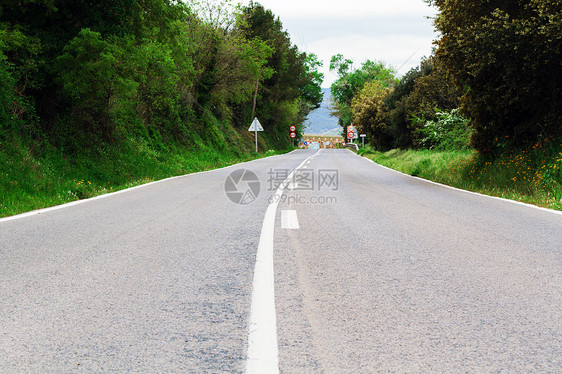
(385, 273)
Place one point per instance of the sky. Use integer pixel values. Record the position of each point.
(397, 32)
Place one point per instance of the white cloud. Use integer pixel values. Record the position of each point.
(390, 31)
(350, 8)
(402, 52)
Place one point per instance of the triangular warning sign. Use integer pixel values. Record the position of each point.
(255, 126)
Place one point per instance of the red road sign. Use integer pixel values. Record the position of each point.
(293, 135)
(293, 128)
(350, 128)
(350, 135)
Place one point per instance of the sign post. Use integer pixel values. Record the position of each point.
(363, 140)
(351, 132)
(293, 135)
(255, 127)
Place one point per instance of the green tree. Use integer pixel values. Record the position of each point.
(398, 117)
(7, 96)
(228, 63)
(505, 57)
(153, 71)
(351, 81)
(368, 110)
(49, 25)
(292, 81)
(96, 84)
(311, 93)
(432, 93)
(19, 66)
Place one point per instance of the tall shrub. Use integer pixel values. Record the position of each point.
(505, 56)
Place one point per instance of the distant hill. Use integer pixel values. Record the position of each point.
(319, 121)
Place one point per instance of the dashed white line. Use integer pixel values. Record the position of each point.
(289, 220)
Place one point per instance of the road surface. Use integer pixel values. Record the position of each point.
(371, 270)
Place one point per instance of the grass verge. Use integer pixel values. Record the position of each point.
(532, 176)
(39, 177)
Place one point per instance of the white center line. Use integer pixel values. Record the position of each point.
(263, 352)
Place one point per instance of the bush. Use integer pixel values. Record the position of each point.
(6, 92)
(505, 56)
(95, 84)
(451, 131)
(368, 109)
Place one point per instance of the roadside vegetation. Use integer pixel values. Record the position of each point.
(482, 113)
(47, 177)
(532, 176)
(99, 96)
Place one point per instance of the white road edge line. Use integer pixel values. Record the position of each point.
(263, 353)
(78, 202)
(466, 191)
(289, 220)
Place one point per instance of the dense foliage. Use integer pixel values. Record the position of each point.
(490, 92)
(393, 112)
(294, 87)
(506, 56)
(351, 81)
(84, 76)
(497, 61)
(420, 94)
(449, 131)
(101, 95)
(368, 109)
